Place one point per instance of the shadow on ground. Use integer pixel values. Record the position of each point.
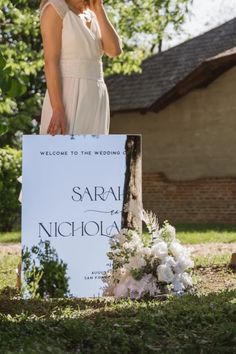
(187, 324)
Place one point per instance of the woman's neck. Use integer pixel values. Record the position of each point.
(77, 9)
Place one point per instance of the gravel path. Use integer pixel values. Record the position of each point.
(10, 248)
(212, 248)
(197, 250)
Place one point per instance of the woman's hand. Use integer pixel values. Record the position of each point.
(58, 123)
(110, 40)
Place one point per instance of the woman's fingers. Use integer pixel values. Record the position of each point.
(52, 128)
(49, 128)
(58, 124)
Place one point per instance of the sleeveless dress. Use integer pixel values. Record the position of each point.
(84, 92)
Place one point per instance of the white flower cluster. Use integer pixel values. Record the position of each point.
(148, 264)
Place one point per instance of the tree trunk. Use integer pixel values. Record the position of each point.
(132, 200)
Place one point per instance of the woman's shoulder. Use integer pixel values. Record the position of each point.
(60, 6)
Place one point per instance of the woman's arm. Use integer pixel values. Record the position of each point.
(111, 41)
(51, 29)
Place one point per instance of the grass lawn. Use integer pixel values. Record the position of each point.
(186, 233)
(202, 322)
(194, 234)
(10, 237)
(191, 324)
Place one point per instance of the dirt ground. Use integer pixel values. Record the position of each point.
(197, 250)
(208, 249)
(207, 279)
(214, 279)
(12, 248)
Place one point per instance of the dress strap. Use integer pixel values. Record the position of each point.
(60, 6)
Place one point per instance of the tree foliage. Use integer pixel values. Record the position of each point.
(21, 69)
(10, 169)
(142, 25)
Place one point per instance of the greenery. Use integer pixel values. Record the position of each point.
(187, 234)
(10, 169)
(44, 273)
(197, 233)
(10, 237)
(201, 322)
(212, 260)
(8, 264)
(22, 81)
(197, 323)
(143, 27)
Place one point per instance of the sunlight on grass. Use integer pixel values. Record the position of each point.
(215, 259)
(8, 265)
(10, 237)
(120, 326)
(186, 233)
(194, 234)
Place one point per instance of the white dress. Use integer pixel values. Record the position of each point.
(84, 91)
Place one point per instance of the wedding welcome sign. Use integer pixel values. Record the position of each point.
(74, 189)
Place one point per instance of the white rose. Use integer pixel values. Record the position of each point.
(177, 285)
(183, 263)
(177, 249)
(181, 282)
(160, 250)
(146, 251)
(169, 261)
(165, 273)
(186, 280)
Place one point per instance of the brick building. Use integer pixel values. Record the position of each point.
(184, 105)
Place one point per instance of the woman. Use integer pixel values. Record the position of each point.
(75, 35)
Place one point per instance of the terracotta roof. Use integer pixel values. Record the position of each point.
(168, 75)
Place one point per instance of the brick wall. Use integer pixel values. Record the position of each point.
(202, 200)
(192, 142)
(191, 138)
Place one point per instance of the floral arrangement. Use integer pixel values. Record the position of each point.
(148, 264)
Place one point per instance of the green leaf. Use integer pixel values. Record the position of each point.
(5, 83)
(2, 62)
(3, 129)
(17, 88)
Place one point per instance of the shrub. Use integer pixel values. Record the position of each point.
(44, 273)
(10, 169)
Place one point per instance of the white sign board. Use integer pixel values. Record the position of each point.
(72, 196)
